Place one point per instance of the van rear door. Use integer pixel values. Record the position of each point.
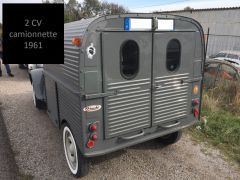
(127, 58)
(148, 78)
(173, 57)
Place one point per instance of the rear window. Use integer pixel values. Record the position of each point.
(129, 62)
(221, 55)
(232, 56)
(173, 55)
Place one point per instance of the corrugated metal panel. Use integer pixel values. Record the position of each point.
(220, 43)
(224, 27)
(70, 110)
(130, 109)
(70, 68)
(205, 9)
(170, 101)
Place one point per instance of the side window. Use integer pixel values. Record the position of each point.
(232, 56)
(221, 55)
(173, 54)
(211, 69)
(129, 61)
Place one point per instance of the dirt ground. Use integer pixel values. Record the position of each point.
(38, 151)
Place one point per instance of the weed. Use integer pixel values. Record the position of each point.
(220, 119)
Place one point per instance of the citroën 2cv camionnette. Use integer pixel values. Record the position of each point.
(126, 79)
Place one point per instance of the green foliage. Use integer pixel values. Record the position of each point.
(91, 8)
(74, 11)
(220, 125)
(226, 95)
(188, 8)
(111, 8)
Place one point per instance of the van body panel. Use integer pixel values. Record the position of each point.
(129, 109)
(172, 99)
(130, 101)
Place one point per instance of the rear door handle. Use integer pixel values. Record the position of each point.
(134, 136)
(192, 80)
(171, 125)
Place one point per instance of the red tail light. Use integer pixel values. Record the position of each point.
(196, 112)
(90, 144)
(94, 137)
(92, 127)
(195, 102)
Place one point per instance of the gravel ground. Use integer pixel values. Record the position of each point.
(38, 151)
(8, 167)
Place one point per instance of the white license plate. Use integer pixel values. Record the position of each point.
(165, 24)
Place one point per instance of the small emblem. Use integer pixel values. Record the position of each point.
(91, 51)
(92, 108)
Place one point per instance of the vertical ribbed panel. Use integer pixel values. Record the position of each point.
(223, 24)
(70, 68)
(130, 109)
(170, 100)
(70, 110)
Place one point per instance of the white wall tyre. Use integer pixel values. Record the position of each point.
(77, 164)
(34, 97)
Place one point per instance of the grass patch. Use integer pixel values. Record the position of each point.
(220, 120)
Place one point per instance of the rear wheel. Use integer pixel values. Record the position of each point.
(22, 66)
(171, 138)
(75, 160)
(40, 104)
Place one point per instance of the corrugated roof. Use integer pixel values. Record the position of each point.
(207, 9)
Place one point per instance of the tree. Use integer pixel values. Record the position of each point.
(74, 11)
(188, 8)
(91, 8)
(111, 8)
(58, 1)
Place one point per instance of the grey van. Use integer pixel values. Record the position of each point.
(126, 79)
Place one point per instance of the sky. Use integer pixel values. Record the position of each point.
(153, 5)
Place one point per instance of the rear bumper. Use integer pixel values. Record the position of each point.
(127, 143)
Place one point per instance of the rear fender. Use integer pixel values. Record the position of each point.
(38, 83)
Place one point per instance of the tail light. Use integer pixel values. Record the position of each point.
(94, 137)
(195, 104)
(90, 144)
(76, 41)
(93, 127)
(196, 112)
(195, 89)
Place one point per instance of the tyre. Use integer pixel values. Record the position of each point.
(77, 164)
(171, 138)
(30, 77)
(40, 104)
(22, 66)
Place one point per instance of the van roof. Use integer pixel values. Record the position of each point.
(80, 27)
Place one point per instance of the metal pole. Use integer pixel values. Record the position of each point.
(206, 47)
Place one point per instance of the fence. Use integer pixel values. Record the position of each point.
(217, 42)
